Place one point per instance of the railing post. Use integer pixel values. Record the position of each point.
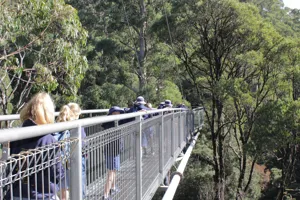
(161, 147)
(186, 132)
(139, 159)
(193, 122)
(172, 136)
(179, 130)
(202, 114)
(76, 166)
(199, 116)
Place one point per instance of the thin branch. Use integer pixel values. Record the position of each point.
(234, 151)
(250, 175)
(28, 45)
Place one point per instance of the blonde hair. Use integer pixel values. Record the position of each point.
(40, 109)
(65, 114)
(75, 108)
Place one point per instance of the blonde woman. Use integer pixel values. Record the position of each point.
(38, 111)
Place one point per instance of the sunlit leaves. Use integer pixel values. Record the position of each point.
(46, 39)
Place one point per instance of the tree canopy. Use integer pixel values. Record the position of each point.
(40, 49)
(237, 59)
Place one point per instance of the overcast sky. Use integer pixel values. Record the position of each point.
(292, 3)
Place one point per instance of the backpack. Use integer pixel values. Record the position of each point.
(65, 151)
(62, 135)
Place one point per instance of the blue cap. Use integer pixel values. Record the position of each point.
(140, 100)
(115, 109)
(168, 103)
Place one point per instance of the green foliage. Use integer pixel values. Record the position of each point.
(115, 51)
(171, 91)
(275, 123)
(236, 60)
(41, 49)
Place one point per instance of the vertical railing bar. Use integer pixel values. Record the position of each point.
(92, 167)
(2, 182)
(139, 159)
(179, 129)
(161, 147)
(102, 163)
(98, 165)
(172, 136)
(76, 169)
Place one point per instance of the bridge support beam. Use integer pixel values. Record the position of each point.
(178, 174)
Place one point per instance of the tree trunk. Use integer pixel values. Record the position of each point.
(218, 149)
(214, 144)
(243, 168)
(250, 175)
(222, 180)
(142, 47)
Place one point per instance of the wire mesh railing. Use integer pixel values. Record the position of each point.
(127, 161)
(37, 173)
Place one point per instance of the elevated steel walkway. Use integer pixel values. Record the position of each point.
(147, 150)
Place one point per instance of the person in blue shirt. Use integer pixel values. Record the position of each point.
(150, 133)
(139, 106)
(168, 104)
(161, 105)
(112, 155)
(181, 105)
(43, 184)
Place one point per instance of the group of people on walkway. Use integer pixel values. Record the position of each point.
(53, 182)
(112, 150)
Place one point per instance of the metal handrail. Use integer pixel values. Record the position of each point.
(17, 116)
(15, 134)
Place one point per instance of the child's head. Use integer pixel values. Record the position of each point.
(75, 108)
(65, 114)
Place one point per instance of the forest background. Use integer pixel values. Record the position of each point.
(238, 59)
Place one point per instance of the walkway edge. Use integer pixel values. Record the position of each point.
(178, 174)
